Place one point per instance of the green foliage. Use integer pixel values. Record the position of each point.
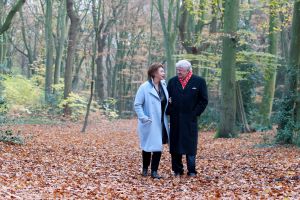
(229, 135)
(21, 93)
(77, 104)
(288, 130)
(267, 140)
(7, 136)
(3, 110)
(209, 119)
(58, 95)
(109, 107)
(3, 106)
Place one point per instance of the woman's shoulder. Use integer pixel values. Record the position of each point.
(145, 85)
(163, 83)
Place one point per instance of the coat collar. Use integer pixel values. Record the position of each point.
(163, 85)
(178, 84)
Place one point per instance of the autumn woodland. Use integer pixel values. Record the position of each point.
(70, 70)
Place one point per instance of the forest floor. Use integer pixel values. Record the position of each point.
(59, 162)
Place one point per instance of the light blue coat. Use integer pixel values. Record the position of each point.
(147, 106)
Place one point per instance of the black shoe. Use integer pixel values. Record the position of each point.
(145, 172)
(192, 174)
(178, 173)
(155, 175)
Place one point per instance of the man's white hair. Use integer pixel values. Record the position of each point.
(184, 64)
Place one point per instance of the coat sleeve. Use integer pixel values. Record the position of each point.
(139, 103)
(168, 111)
(203, 98)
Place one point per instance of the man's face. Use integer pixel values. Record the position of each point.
(181, 72)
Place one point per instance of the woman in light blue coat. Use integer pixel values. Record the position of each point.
(150, 105)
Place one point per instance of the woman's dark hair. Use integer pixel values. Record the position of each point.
(153, 68)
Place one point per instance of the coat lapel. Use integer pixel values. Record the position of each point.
(189, 83)
(178, 85)
(153, 92)
(164, 86)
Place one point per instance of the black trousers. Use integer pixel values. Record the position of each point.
(177, 165)
(154, 161)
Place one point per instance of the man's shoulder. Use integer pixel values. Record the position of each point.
(198, 78)
(172, 79)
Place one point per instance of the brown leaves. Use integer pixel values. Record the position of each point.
(105, 163)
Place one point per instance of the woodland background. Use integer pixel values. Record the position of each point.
(65, 64)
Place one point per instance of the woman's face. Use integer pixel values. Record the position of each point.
(160, 74)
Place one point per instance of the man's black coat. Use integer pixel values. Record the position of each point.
(186, 105)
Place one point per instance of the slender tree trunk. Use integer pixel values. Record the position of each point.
(214, 13)
(109, 67)
(49, 52)
(103, 29)
(188, 37)
(228, 85)
(151, 33)
(5, 23)
(75, 80)
(3, 52)
(5, 26)
(61, 35)
(170, 32)
(27, 47)
(242, 118)
(88, 108)
(73, 32)
(270, 74)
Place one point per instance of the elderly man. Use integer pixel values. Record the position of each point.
(188, 99)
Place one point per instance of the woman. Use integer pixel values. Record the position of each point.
(150, 105)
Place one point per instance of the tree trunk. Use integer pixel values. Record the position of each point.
(49, 52)
(61, 35)
(214, 13)
(151, 33)
(291, 107)
(228, 92)
(3, 53)
(73, 32)
(5, 26)
(241, 115)
(188, 32)
(88, 108)
(294, 60)
(27, 47)
(103, 29)
(109, 66)
(270, 73)
(170, 32)
(75, 80)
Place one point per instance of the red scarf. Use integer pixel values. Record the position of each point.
(186, 79)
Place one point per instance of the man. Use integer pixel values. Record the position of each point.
(188, 99)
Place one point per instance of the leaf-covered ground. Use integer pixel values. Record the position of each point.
(105, 163)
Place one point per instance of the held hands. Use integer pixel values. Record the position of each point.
(170, 100)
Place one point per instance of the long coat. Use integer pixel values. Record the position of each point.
(186, 105)
(147, 106)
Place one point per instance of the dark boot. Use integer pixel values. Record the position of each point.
(145, 172)
(155, 175)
